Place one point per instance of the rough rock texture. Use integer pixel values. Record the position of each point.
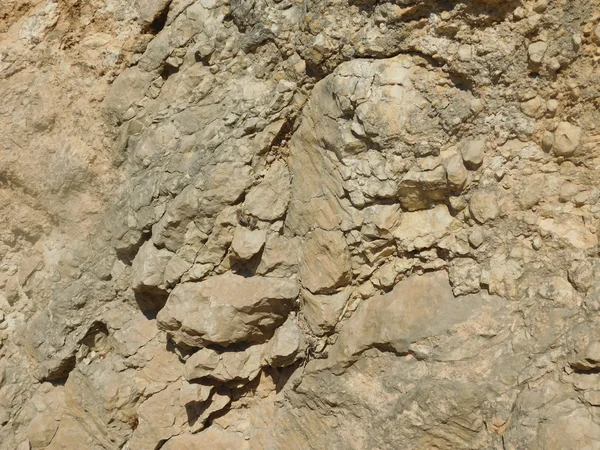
(299, 224)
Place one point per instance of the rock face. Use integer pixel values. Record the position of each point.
(299, 225)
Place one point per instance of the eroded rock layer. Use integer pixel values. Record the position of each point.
(285, 224)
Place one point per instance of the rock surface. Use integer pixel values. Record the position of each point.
(299, 225)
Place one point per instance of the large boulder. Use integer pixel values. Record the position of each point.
(227, 309)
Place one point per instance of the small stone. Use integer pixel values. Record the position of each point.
(465, 52)
(581, 198)
(533, 108)
(484, 206)
(247, 243)
(456, 173)
(476, 105)
(597, 33)
(476, 237)
(540, 6)
(472, 153)
(552, 105)
(536, 51)
(567, 192)
(547, 141)
(286, 346)
(567, 138)
(536, 244)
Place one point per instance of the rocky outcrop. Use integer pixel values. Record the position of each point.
(299, 225)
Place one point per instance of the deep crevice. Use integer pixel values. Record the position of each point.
(159, 21)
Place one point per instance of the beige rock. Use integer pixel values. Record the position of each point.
(150, 10)
(225, 366)
(418, 307)
(322, 312)
(473, 153)
(41, 430)
(194, 393)
(214, 438)
(422, 229)
(269, 200)
(567, 138)
(456, 172)
(286, 346)
(484, 206)
(534, 107)
(227, 309)
(279, 257)
(247, 243)
(536, 51)
(464, 275)
(159, 418)
(148, 268)
(325, 262)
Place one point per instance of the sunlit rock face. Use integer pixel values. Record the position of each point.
(299, 225)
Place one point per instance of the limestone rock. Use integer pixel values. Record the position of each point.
(247, 243)
(148, 268)
(422, 229)
(269, 200)
(484, 205)
(418, 307)
(323, 312)
(325, 263)
(215, 438)
(473, 153)
(567, 138)
(225, 366)
(227, 309)
(286, 346)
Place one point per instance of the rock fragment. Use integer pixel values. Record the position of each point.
(484, 205)
(325, 263)
(567, 138)
(247, 243)
(227, 309)
(472, 153)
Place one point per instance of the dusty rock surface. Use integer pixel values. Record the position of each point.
(299, 224)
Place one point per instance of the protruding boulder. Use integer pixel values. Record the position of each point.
(225, 366)
(472, 153)
(322, 312)
(247, 243)
(287, 346)
(227, 309)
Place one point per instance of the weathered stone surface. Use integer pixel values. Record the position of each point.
(227, 309)
(269, 200)
(567, 138)
(418, 307)
(225, 366)
(287, 345)
(247, 243)
(325, 263)
(148, 268)
(212, 152)
(473, 153)
(421, 229)
(323, 312)
(484, 205)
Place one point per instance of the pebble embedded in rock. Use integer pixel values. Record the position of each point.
(472, 153)
(484, 206)
(567, 138)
